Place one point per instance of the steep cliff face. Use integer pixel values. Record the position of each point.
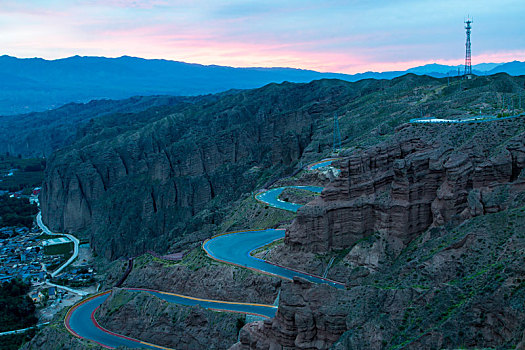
(402, 187)
(307, 318)
(149, 177)
(451, 287)
(39, 134)
(144, 184)
(426, 227)
(428, 233)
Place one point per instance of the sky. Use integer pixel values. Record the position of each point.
(327, 35)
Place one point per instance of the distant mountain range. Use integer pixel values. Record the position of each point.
(35, 84)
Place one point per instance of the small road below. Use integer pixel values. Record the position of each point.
(73, 239)
(476, 119)
(23, 330)
(232, 248)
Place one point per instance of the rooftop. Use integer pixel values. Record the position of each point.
(55, 241)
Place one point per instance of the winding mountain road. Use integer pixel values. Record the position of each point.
(233, 248)
(321, 164)
(271, 197)
(75, 241)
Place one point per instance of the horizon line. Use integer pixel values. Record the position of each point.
(255, 67)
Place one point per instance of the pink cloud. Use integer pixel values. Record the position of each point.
(301, 35)
(139, 4)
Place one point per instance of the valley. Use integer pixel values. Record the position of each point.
(262, 175)
(420, 223)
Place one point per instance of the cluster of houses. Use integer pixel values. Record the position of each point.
(23, 255)
(80, 275)
(33, 198)
(20, 255)
(17, 194)
(49, 293)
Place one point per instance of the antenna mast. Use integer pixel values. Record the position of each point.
(468, 63)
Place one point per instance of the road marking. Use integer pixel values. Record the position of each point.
(98, 295)
(200, 299)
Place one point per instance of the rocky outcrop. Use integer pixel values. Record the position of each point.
(456, 287)
(308, 318)
(203, 279)
(148, 318)
(56, 337)
(297, 196)
(153, 176)
(427, 229)
(401, 188)
(410, 282)
(144, 186)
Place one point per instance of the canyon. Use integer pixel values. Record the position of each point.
(424, 234)
(424, 224)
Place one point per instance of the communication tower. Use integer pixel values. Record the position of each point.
(468, 63)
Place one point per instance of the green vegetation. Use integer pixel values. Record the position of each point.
(268, 246)
(296, 195)
(118, 300)
(18, 311)
(193, 322)
(465, 280)
(13, 341)
(196, 259)
(27, 174)
(241, 321)
(16, 212)
(251, 214)
(46, 236)
(206, 157)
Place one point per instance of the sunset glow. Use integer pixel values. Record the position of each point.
(335, 36)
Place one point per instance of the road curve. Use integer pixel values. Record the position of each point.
(81, 322)
(75, 241)
(321, 164)
(233, 248)
(271, 197)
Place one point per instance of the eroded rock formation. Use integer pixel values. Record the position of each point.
(403, 187)
(143, 186)
(307, 318)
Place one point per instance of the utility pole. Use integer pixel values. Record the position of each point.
(337, 135)
(468, 61)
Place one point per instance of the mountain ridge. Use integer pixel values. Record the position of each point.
(168, 177)
(36, 84)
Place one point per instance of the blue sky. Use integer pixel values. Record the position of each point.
(332, 35)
